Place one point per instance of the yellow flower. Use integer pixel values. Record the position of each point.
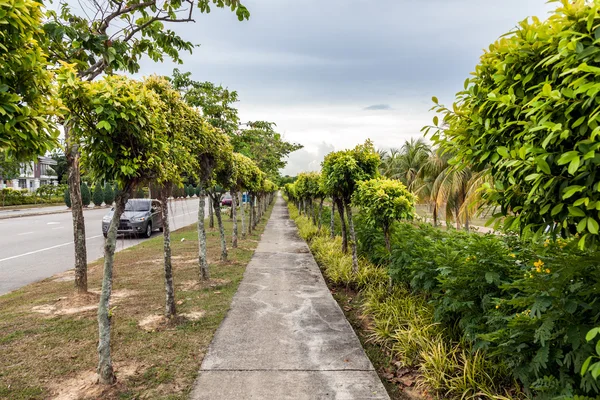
(547, 242)
(547, 270)
(538, 264)
(497, 306)
(512, 255)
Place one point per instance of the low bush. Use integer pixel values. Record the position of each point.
(14, 197)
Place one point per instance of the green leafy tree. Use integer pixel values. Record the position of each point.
(61, 165)
(115, 38)
(264, 146)
(98, 195)
(384, 201)
(341, 173)
(244, 170)
(9, 167)
(86, 195)
(109, 194)
(176, 160)
(529, 117)
(26, 100)
(121, 137)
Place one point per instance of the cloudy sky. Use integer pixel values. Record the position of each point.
(332, 73)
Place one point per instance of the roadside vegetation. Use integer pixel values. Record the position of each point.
(48, 338)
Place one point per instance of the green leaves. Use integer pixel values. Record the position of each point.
(529, 115)
(27, 101)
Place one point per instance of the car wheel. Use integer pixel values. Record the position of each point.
(149, 229)
(161, 229)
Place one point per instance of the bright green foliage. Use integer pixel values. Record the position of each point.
(384, 201)
(342, 170)
(531, 115)
(86, 195)
(264, 146)
(109, 194)
(179, 118)
(245, 173)
(215, 102)
(9, 167)
(593, 368)
(25, 83)
(118, 34)
(122, 136)
(307, 186)
(98, 195)
(67, 198)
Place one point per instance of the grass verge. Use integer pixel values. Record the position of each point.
(48, 335)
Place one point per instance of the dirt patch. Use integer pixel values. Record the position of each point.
(195, 285)
(153, 323)
(66, 276)
(79, 303)
(85, 385)
(194, 315)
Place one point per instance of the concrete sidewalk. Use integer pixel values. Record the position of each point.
(285, 336)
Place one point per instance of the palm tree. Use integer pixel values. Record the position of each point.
(405, 163)
(427, 186)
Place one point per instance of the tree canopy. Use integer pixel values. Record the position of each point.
(26, 105)
(530, 117)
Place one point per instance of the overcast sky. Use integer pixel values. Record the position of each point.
(332, 73)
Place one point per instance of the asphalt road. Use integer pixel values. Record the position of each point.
(36, 247)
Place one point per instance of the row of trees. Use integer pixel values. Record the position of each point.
(351, 178)
(158, 132)
(143, 133)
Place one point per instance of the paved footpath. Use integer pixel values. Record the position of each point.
(285, 336)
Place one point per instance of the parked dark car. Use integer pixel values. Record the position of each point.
(141, 217)
(226, 200)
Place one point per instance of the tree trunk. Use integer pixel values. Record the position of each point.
(250, 214)
(211, 218)
(254, 215)
(202, 260)
(321, 213)
(231, 212)
(74, 180)
(352, 239)
(332, 222)
(234, 235)
(313, 212)
(217, 207)
(170, 309)
(435, 215)
(242, 216)
(105, 369)
(340, 207)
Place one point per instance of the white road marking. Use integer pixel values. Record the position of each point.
(53, 223)
(44, 249)
(24, 233)
(58, 227)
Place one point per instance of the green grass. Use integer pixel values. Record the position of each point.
(43, 352)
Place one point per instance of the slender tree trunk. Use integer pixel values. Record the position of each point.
(435, 215)
(321, 213)
(74, 180)
(352, 239)
(340, 207)
(202, 260)
(254, 216)
(234, 236)
(313, 212)
(242, 216)
(217, 207)
(211, 218)
(332, 221)
(170, 309)
(456, 215)
(105, 370)
(250, 219)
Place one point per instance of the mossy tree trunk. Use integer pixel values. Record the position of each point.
(211, 215)
(216, 206)
(234, 235)
(320, 223)
(170, 309)
(105, 369)
(352, 238)
(202, 260)
(242, 216)
(74, 181)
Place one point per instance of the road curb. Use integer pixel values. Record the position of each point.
(46, 213)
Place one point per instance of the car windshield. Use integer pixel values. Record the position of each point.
(137, 206)
(227, 196)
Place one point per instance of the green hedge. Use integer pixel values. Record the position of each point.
(12, 197)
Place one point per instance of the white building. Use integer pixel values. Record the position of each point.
(33, 175)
